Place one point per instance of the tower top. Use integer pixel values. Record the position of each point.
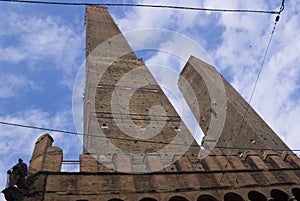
(243, 128)
(128, 120)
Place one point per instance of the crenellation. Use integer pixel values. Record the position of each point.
(238, 168)
(45, 157)
(53, 159)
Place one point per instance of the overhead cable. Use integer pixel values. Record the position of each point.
(257, 78)
(133, 139)
(145, 5)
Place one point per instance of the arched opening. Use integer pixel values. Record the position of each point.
(115, 199)
(256, 196)
(296, 193)
(148, 199)
(178, 198)
(233, 197)
(206, 197)
(279, 195)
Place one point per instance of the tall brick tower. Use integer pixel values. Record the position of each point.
(243, 127)
(122, 161)
(126, 112)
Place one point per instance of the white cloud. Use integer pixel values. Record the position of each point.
(42, 39)
(12, 85)
(280, 79)
(18, 142)
(29, 44)
(12, 54)
(243, 42)
(162, 18)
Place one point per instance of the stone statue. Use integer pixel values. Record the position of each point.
(18, 175)
(17, 187)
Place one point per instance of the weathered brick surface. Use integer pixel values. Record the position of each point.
(41, 145)
(229, 173)
(128, 187)
(184, 164)
(240, 131)
(37, 162)
(88, 163)
(257, 163)
(293, 160)
(53, 159)
(106, 120)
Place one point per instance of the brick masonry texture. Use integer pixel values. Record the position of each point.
(104, 71)
(236, 175)
(242, 129)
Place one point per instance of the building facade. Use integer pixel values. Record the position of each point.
(122, 161)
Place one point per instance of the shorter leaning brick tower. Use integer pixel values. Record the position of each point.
(249, 161)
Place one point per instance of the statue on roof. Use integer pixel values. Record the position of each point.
(18, 175)
(16, 186)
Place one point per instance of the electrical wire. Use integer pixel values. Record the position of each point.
(137, 5)
(170, 7)
(257, 78)
(144, 5)
(139, 140)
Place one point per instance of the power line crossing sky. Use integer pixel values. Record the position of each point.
(42, 49)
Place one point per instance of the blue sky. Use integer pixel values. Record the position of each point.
(43, 46)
